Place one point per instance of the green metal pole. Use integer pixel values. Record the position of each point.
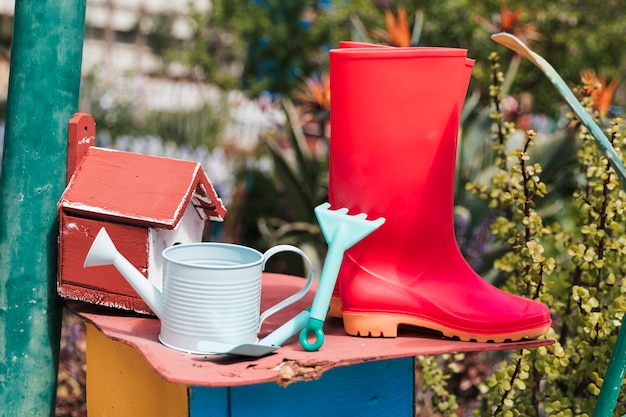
(43, 94)
(605, 407)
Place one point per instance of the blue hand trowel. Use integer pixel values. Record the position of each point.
(265, 346)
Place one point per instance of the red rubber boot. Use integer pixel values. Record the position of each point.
(334, 309)
(394, 124)
(335, 302)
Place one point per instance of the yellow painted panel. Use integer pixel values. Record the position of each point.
(121, 384)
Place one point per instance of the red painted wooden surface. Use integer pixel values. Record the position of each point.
(102, 284)
(289, 363)
(140, 189)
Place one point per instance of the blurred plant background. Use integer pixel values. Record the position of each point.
(244, 90)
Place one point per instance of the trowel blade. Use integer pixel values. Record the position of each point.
(246, 349)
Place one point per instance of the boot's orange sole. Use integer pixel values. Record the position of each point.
(386, 325)
(335, 307)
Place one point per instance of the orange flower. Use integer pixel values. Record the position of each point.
(398, 32)
(595, 86)
(316, 93)
(508, 18)
(509, 21)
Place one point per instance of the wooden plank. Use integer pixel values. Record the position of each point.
(209, 402)
(369, 389)
(290, 363)
(121, 384)
(102, 285)
(77, 236)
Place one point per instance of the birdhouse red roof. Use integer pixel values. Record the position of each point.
(139, 189)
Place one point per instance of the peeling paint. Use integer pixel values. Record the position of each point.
(87, 140)
(293, 371)
(79, 294)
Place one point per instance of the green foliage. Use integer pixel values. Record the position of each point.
(271, 45)
(482, 162)
(255, 197)
(215, 51)
(277, 207)
(434, 379)
(274, 41)
(575, 35)
(580, 279)
(6, 35)
(301, 174)
(303, 178)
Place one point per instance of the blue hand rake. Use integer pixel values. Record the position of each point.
(341, 231)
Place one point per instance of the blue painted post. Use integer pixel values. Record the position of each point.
(43, 94)
(369, 389)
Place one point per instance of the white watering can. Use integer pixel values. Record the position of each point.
(211, 295)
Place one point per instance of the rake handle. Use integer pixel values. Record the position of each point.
(312, 336)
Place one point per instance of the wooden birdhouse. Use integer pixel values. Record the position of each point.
(146, 203)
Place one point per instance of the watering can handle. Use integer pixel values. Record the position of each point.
(295, 297)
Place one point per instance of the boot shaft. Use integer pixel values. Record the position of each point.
(394, 126)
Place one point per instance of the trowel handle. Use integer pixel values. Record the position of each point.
(284, 332)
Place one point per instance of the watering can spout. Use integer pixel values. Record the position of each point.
(104, 252)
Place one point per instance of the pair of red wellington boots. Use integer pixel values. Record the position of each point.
(394, 128)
